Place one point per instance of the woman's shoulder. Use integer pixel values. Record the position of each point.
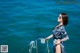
(62, 28)
(59, 27)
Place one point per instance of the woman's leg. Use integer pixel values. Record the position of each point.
(57, 49)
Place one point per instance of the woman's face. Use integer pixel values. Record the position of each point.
(60, 18)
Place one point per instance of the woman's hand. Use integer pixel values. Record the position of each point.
(46, 39)
(58, 41)
(49, 37)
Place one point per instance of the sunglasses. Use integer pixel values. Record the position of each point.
(59, 17)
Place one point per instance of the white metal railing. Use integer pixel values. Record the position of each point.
(33, 44)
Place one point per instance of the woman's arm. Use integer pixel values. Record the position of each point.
(49, 37)
(64, 33)
(64, 39)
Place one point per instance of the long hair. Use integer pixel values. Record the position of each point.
(64, 18)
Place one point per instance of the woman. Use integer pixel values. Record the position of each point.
(59, 34)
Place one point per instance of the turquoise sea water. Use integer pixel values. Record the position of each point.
(22, 21)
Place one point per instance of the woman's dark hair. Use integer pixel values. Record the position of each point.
(64, 18)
